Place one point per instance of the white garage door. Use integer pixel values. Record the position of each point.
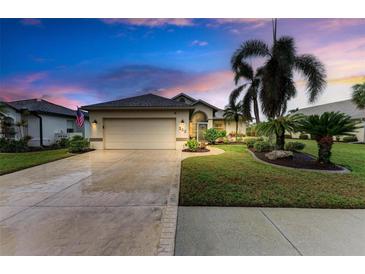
(139, 133)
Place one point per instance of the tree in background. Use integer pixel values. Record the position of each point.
(234, 110)
(358, 95)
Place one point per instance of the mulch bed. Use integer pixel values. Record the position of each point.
(299, 160)
(198, 150)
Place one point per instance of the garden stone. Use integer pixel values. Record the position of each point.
(278, 154)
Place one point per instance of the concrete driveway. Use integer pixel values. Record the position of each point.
(99, 203)
(270, 231)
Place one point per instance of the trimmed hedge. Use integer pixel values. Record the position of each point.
(263, 146)
(294, 146)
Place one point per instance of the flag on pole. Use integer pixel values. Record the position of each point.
(79, 118)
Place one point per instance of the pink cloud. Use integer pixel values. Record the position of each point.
(338, 24)
(252, 23)
(31, 22)
(27, 87)
(150, 22)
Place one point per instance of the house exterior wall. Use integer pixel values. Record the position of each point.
(359, 133)
(97, 132)
(230, 126)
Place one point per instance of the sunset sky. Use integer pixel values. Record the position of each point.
(74, 62)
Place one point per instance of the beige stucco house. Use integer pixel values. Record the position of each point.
(346, 106)
(153, 122)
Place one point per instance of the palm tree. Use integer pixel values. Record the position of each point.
(234, 110)
(324, 127)
(358, 95)
(288, 123)
(277, 75)
(243, 70)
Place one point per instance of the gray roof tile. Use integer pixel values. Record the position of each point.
(143, 101)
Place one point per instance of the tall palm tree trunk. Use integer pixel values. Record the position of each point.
(256, 110)
(236, 128)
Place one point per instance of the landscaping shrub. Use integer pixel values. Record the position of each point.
(303, 136)
(263, 146)
(294, 146)
(211, 135)
(63, 143)
(225, 140)
(11, 145)
(78, 144)
(192, 144)
(288, 136)
(250, 142)
(338, 138)
(349, 139)
(222, 134)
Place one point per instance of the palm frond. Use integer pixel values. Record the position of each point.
(314, 71)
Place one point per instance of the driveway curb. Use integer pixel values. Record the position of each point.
(166, 245)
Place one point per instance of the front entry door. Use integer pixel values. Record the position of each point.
(201, 129)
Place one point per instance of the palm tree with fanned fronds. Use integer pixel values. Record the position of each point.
(277, 74)
(234, 110)
(244, 71)
(324, 127)
(288, 123)
(358, 95)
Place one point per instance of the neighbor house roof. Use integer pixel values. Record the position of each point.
(143, 101)
(346, 106)
(41, 106)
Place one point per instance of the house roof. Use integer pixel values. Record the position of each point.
(346, 106)
(41, 106)
(195, 101)
(143, 101)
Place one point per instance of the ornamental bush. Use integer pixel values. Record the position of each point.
(263, 146)
(303, 136)
(294, 146)
(11, 145)
(192, 144)
(78, 144)
(212, 134)
(349, 139)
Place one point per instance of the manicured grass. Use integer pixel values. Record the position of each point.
(10, 162)
(236, 179)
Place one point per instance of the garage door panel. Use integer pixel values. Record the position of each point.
(139, 133)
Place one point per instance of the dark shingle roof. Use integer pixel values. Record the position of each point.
(143, 101)
(41, 106)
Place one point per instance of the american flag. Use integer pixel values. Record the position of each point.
(79, 118)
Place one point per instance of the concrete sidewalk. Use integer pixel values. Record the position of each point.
(269, 231)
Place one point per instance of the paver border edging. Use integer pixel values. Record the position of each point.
(166, 245)
(343, 171)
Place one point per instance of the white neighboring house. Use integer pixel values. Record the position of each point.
(347, 107)
(45, 122)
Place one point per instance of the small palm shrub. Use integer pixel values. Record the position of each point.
(78, 144)
(303, 136)
(278, 126)
(192, 144)
(349, 139)
(324, 127)
(294, 146)
(263, 146)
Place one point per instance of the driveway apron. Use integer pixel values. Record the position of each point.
(107, 202)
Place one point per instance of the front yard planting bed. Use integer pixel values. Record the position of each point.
(299, 160)
(234, 178)
(11, 162)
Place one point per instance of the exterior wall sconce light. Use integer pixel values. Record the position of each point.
(182, 126)
(94, 122)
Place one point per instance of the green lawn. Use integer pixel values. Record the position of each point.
(236, 179)
(10, 162)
